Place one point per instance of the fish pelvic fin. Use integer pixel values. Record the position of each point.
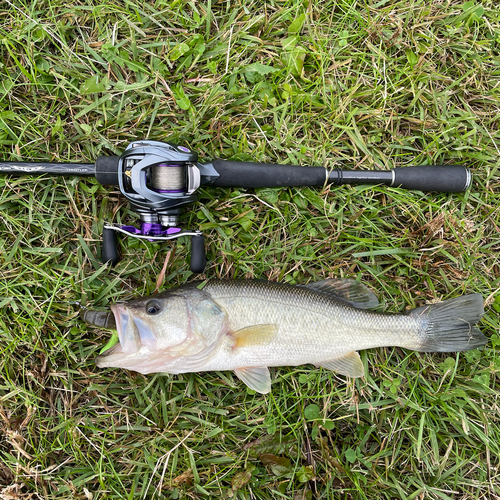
(350, 365)
(254, 335)
(257, 378)
(449, 326)
(354, 293)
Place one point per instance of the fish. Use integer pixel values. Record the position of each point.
(249, 326)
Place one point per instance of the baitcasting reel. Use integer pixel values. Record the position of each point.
(159, 179)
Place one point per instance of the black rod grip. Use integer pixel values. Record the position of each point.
(258, 175)
(109, 250)
(441, 178)
(198, 258)
(106, 170)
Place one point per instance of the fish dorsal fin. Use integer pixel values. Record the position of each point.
(356, 294)
(349, 365)
(254, 335)
(257, 378)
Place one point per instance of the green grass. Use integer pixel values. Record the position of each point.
(343, 83)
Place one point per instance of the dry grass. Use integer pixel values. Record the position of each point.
(357, 84)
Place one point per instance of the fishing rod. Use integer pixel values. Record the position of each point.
(159, 179)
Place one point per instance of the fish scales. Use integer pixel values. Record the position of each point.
(312, 327)
(250, 325)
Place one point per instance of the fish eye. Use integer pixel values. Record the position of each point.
(153, 307)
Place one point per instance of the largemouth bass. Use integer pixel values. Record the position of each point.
(248, 326)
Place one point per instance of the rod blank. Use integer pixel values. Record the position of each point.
(40, 168)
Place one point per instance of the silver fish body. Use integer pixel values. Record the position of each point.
(250, 325)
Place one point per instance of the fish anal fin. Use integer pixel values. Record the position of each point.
(350, 365)
(254, 335)
(356, 294)
(257, 378)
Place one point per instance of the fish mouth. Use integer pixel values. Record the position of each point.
(133, 333)
(121, 318)
(110, 357)
(127, 332)
(127, 338)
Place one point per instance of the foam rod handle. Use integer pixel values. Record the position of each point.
(245, 174)
(106, 170)
(441, 178)
(198, 259)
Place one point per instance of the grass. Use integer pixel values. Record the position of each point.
(343, 83)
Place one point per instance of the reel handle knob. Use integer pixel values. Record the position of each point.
(198, 258)
(109, 250)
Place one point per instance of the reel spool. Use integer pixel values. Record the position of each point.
(168, 178)
(157, 178)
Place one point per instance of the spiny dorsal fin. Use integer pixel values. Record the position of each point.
(257, 378)
(254, 335)
(356, 294)
(349, 365)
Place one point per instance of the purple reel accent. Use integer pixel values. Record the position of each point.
(151, 229)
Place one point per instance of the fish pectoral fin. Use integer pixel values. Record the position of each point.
(349, 365)
(254, 335)
(257, 378)
(356, 294)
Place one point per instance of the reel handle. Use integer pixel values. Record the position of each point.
(110, 254)
(198, 257)
(109, 249)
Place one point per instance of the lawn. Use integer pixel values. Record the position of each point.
(354, 84)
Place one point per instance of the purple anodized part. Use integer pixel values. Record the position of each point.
(151, 229)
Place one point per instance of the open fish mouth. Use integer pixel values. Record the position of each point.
(126, 338)
(125, 326)
(110, 357)
(133, 333)
(122, 318)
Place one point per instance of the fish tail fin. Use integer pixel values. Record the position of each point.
(449, 326)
